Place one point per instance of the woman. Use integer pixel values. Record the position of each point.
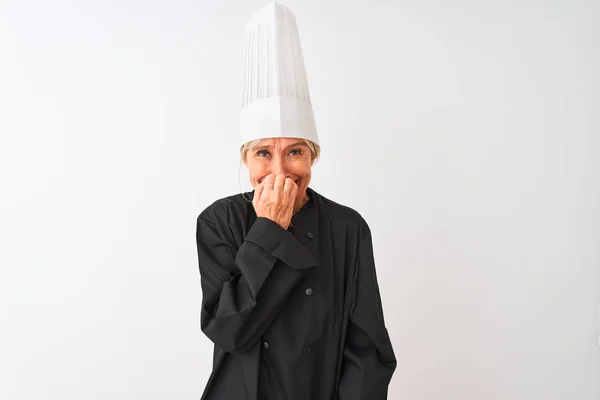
(289, 289)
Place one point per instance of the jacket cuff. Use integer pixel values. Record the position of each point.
(280, 243)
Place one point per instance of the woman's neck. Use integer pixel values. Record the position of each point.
(301, 202)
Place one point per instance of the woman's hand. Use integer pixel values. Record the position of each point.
(274, 199)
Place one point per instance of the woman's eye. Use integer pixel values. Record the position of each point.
(296, 152)
(262, 153)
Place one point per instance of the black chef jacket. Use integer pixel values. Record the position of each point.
(294, 314)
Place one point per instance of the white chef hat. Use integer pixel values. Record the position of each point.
(276, 99)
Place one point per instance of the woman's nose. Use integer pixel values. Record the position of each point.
(278, 166)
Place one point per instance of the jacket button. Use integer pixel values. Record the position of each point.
(310, 235)
(266, 344)
(306, 350)
(309, 292)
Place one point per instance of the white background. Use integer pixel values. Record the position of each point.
(465, 132)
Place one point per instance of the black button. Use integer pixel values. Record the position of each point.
(266, 345)
(308, 291)
(310, 235)
(306, 350)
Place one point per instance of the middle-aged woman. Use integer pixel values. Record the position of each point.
(290, 297)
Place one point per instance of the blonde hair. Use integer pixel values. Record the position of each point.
(315, 151)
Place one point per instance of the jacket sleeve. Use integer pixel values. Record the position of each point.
(243, 289)
(368, 361)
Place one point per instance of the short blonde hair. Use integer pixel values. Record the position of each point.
(315, 149)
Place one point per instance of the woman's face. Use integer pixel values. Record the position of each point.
(288, 156)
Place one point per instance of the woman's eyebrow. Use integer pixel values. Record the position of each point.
(267, 146)
(295, 144)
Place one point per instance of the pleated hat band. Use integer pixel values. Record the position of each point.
(276, 99)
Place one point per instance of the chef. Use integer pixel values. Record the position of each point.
(290, 296)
